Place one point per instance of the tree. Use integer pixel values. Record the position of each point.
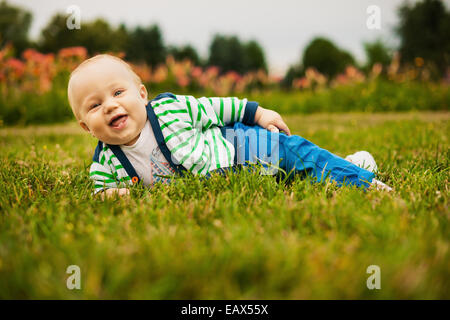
(186, 52)
(424, 31)
(227, 53)
(96, 36)
(139, 45)
(146, 45)
(55, 35)
(121, 38)
(326, 57)
(230, 54)
(294, 71)
(255, 59)
(377, 52)
(14, 26)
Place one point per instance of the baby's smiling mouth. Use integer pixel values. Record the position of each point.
(118, 121)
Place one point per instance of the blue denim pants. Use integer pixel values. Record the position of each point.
(292, 154)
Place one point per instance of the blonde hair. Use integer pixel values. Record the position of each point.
(136, 78)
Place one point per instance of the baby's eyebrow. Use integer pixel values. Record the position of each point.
(116, 85)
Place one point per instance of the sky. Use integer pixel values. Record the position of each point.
(282, 27)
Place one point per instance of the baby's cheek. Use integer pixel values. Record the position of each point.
(98, 126)
(98, 119)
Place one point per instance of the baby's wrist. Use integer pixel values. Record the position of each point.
(258, 113)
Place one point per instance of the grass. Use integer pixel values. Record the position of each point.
(243, 236)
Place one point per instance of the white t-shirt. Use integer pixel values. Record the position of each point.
(147, 159)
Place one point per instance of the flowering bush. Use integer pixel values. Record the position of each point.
(184, 76)
(36, 72)
(33, 88)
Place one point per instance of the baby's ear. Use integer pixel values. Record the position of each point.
(84, 126)
(143, 92)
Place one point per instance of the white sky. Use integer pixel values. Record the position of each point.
(282, 27)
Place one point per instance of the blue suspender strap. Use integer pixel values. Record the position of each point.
(159, 135)
(125, 163)
(99, 148)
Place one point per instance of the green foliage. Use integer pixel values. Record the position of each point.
(146, 45)
(376, 96)
(294, 71)
(14, 26)
(96, 36)
(254, 57)
(377, 52)
(424, 30)
(25, 108)
(243, 236)
(55, 35)
(143, 44)
(226, 53)
(326, 57)
(230, 54)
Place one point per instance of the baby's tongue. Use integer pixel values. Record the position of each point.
(116, 122)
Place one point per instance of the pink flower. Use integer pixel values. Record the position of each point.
(77, 52)
(160, 74)
(212, 71)
(17, 66)
(376, 70)
(183, 81)
(341, 79)
(196, 72)
(33, 55)
(301, 83)
(233, 76)
(143, 71)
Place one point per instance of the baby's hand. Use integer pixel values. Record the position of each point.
(112, 191)
(270, 120)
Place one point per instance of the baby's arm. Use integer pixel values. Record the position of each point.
(231, 109)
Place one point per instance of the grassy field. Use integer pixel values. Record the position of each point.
(235, 237)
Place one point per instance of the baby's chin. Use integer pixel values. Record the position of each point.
(132, 141)
(128, 140)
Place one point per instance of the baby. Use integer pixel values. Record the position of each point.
(149, 141)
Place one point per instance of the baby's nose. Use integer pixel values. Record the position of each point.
(110, 105)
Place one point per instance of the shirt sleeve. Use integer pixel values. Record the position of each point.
(102, 176)
(231, 109)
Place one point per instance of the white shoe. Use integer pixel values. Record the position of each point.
(364, 160)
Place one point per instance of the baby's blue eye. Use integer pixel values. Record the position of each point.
(94, 105)
(117, 92)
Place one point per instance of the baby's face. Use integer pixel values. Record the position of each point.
(108, 102)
